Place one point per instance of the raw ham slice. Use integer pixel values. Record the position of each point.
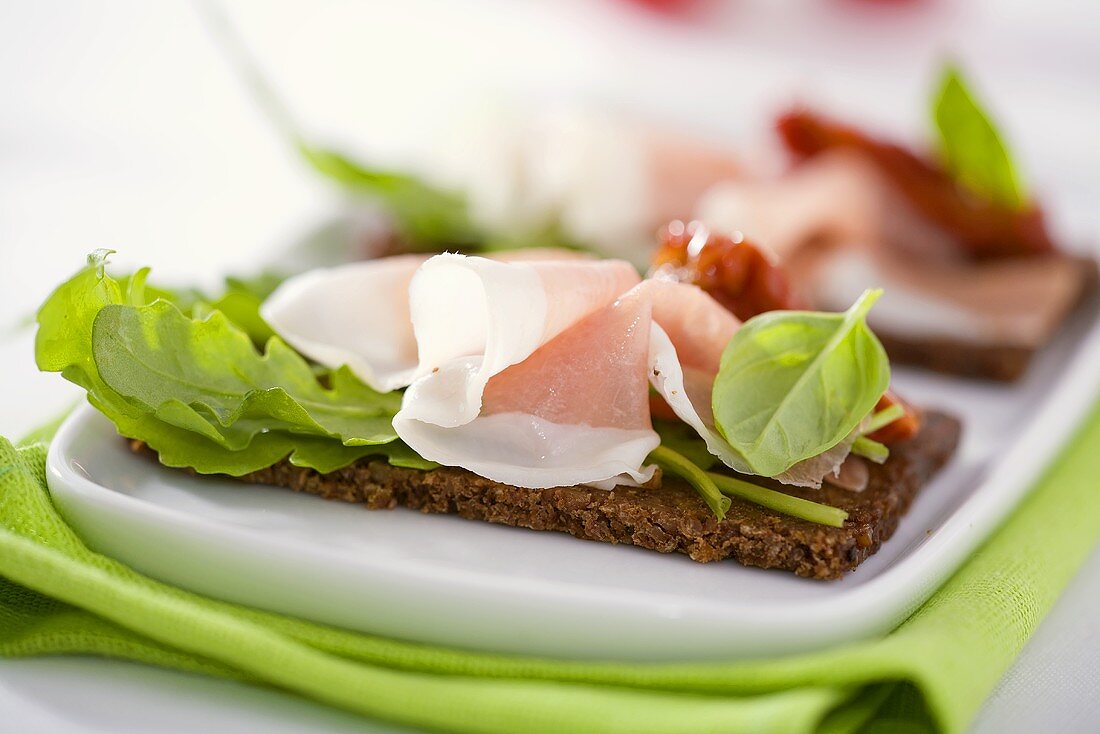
(358, 314)
(689, 333)
(837, 197)
(574, 411)
(355, 314)
(475, 317)
(839, 227)
(601, 180)
(531, 372)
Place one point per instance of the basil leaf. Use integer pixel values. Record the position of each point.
(198, 392)
(970, 146)
(793, 384)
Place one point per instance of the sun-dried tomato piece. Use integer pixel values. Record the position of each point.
(734, 272)
(900, 429)
(983, 228)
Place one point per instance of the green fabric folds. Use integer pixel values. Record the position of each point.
(931, 674)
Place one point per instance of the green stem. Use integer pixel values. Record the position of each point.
(681, 466)
(869, 449)
(884, 417)
(784, 503)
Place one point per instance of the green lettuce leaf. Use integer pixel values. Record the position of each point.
(239, 301)
(969, 144)
(205, 376)
(198, 392)
(794, 384)
(242, 309)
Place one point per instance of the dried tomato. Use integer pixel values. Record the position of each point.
(983, 228)
(900, 429)
(734, 272)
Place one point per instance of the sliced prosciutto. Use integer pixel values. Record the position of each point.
(838, 226)
(689, 333)
(356, 314)
(474, 317)
(837, 197)
(1018, 302)
(534, 373)
(599, 179)
(979, 226)
(575, 411)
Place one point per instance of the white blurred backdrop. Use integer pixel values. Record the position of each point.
(122, 126)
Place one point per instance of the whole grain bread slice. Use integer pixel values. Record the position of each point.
(669, 519)
(1002, 362)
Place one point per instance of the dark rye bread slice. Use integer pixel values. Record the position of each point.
(671, 518)
(1003, 362)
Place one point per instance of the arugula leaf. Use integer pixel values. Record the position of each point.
(240, 301)
(871, 449)
(969, 144)
(682, 438)
(260, 285)
(428, 217)
(197, 391)
(242, 309)
(680, 443)
(64, 337)
(180, 448)
(793, 384)
(675, 463)
(205, 376)
(778, 501)
(883, 418)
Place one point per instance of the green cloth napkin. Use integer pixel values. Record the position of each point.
(931, 674)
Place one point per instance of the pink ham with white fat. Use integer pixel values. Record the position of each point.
(574, 411)
(355, 315)
(839, 227)
(600, 179)
(530, 372)
(474, 317)
(358, 314)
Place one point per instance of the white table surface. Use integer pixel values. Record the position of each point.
(121, 127)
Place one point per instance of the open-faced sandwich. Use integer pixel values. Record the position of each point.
(538, 389)
(975, 282)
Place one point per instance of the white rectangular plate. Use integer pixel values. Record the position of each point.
(442, 579)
